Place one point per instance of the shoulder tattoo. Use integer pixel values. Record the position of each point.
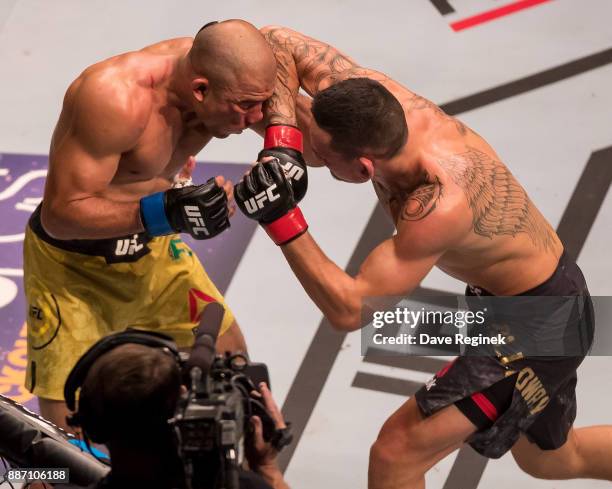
(422, 202)
(499, 204)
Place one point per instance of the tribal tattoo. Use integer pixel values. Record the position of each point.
(499, 204)
(281, 106)
(311, 64)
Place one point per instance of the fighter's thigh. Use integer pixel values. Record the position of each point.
(545, 464)
(60, 329)
(427, 439)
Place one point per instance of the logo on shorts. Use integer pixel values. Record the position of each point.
(431, 383)
(128, 247)
(532, 390)
(177, 247)
(44, 322)
(36, 313)
(256, 203)
(195, 298)
(195, 218)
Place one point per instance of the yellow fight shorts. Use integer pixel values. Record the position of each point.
(78, 291)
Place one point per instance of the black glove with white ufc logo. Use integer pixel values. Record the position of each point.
(265, 194)
(200, 210)
(285, 143)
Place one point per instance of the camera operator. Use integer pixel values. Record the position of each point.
(126, 400)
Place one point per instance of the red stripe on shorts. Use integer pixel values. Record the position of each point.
(446, 368)
(485, 406)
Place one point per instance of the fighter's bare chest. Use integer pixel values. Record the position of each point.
(163, 148)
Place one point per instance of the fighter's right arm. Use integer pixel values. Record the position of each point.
(100, 121)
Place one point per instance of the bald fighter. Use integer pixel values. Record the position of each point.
(103, 251)
(456, 206)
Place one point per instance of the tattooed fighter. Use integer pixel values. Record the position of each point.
(456, 206)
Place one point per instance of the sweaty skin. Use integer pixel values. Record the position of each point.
(127, 127)
(455, 205)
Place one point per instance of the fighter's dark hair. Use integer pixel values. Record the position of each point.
(362, 118)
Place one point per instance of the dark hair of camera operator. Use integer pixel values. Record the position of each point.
(128, 395)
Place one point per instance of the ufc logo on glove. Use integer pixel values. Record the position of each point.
(292, 171)
(194, 217)
(255, 203)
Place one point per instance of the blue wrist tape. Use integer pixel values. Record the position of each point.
(153, 213)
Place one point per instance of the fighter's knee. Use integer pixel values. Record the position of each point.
(383, 455)
(387, 457)
(531, 467)
(397, 445)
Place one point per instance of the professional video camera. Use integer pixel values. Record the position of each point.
(212, 419)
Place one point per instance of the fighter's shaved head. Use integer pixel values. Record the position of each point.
(231, 50)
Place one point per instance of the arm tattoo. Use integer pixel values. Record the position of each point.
(422, 202)
(280, 107)
(420, 103)
(318, 64)
(411, 205)
(499, 204)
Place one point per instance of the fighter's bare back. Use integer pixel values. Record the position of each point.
(481, 226)
(497, 227)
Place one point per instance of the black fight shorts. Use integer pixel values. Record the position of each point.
(505, 397)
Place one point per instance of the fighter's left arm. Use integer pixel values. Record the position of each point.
(281, 107)
(395, 267)
(306, 63)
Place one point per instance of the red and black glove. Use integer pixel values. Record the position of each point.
(284, 140)
(265, 194)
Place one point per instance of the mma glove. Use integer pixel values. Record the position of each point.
(200, 210)
(284, 140)
(266, 195)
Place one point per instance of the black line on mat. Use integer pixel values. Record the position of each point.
(382, 383)
(467, 469)
(529, 83)
(443, 7)
(419, 364)
(321, 355)
(587, 199)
